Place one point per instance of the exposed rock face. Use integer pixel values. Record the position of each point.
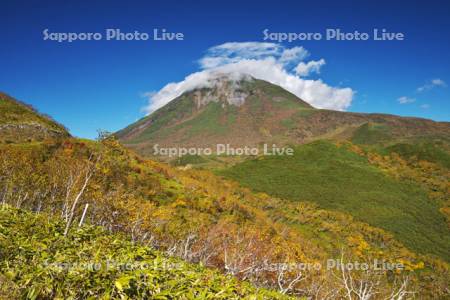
(27, 132)
(223, 90)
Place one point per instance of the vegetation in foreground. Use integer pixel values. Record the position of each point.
(201, 218)
(195, 216)
(39, 262)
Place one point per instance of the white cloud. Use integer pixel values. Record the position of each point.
(405, 100)
(437, 82)
(425, 106)
(266, 61)
(234, 52)
(246, 49)
(293, 55)
(175, 89)
(313, 66)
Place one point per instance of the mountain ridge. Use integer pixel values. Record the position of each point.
(268, 114)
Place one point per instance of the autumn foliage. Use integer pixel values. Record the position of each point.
(204, 219)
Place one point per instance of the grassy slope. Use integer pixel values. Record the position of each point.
(159, 120)
(29, 241)
(371, 133)
(338, 179)
(14, 112)
(208, 122)
(436, 152)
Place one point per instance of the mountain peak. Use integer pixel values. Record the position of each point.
(244, 111)
(234, 108)
(235, 88)
(225, 89)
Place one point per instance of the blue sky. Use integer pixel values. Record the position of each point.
(90, 85)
